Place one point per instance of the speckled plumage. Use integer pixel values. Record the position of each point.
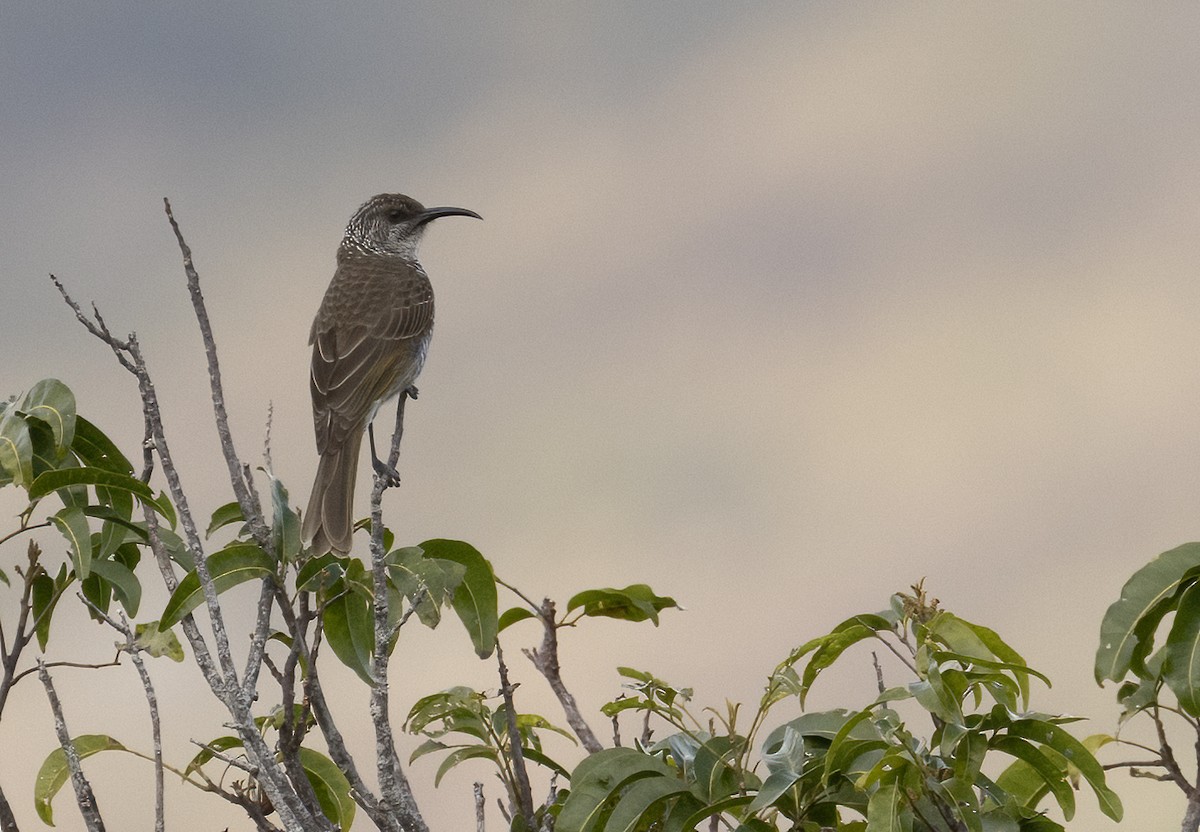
(369, 340)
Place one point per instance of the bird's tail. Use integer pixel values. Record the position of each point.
(329, 520)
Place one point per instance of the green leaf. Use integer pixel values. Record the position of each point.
(883, 810)
(158, 642)
(428, 583)
(223, 516)
(475, 599)
(317, 573)
(937, 697)
(72, 522)
(1126, 633)
(96, 450)
(54, 772)
(330, 786)
(285, 524)
(45, 599)
(642, 801)
(600, 778)
(458, 709)
(466, 752)
(233, 565)
(541, 759)
(16, 449)
(1076, 754)
(52, 402)
(1051, 775)
(636, 602)
(125, 584)
(514, 614)
(829, 648)
(350, 631)
(1181, 653)
(51, 481)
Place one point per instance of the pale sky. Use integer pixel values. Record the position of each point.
(777, 307)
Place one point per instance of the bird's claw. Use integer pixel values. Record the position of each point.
(411, 391)
(390, 475)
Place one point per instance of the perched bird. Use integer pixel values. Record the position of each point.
(369, 341)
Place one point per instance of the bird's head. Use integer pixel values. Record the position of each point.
(392, 224)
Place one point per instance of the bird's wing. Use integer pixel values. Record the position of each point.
(366, 349)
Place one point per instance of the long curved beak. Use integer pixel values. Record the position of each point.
(433, 213)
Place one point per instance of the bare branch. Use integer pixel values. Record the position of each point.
(524, 795)
(545, 659)
(84, 797)
(8, 821)
(394, 787)
(479, 805)
(240, 488)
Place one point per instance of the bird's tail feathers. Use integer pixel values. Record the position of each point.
(329, 520)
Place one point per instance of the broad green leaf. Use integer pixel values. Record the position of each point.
(51, 481)
(475, 599)
(317, 573)
(1145, 599)
(642, 802)
(96, 450)
(223, 516)
(330, 786)
(715, 775)
(958, 632)
(699, 815)
(111, 517)
(1016, 671)
(883, 810)
(72, 522)
(1181, 665)
(856, 736)
(52, 402)
(54, 772)
(937, 697)
(125, 584)
(541, 759)
(514, 614)
(599, 778)
(176, 549)
(428, 583)
(776, 784)
(825, 725)
(459, 709)
(233, 565)
(636, 602)
(1051, 775)
(45, 599)
(466, 752)
(427, 747)
(1076, 754)
(350, 631)
(158, 642)
(16, 449)
(849, 632)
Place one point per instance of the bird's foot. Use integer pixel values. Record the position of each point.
(390, 475)
(411, 391)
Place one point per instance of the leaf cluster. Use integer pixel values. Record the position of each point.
(868, 769)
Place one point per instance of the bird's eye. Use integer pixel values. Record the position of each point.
(395, 216)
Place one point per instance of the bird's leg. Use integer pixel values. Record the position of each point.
(381, 467)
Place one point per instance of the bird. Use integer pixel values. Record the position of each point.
(369, 341)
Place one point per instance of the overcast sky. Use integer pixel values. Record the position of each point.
(777, 307)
